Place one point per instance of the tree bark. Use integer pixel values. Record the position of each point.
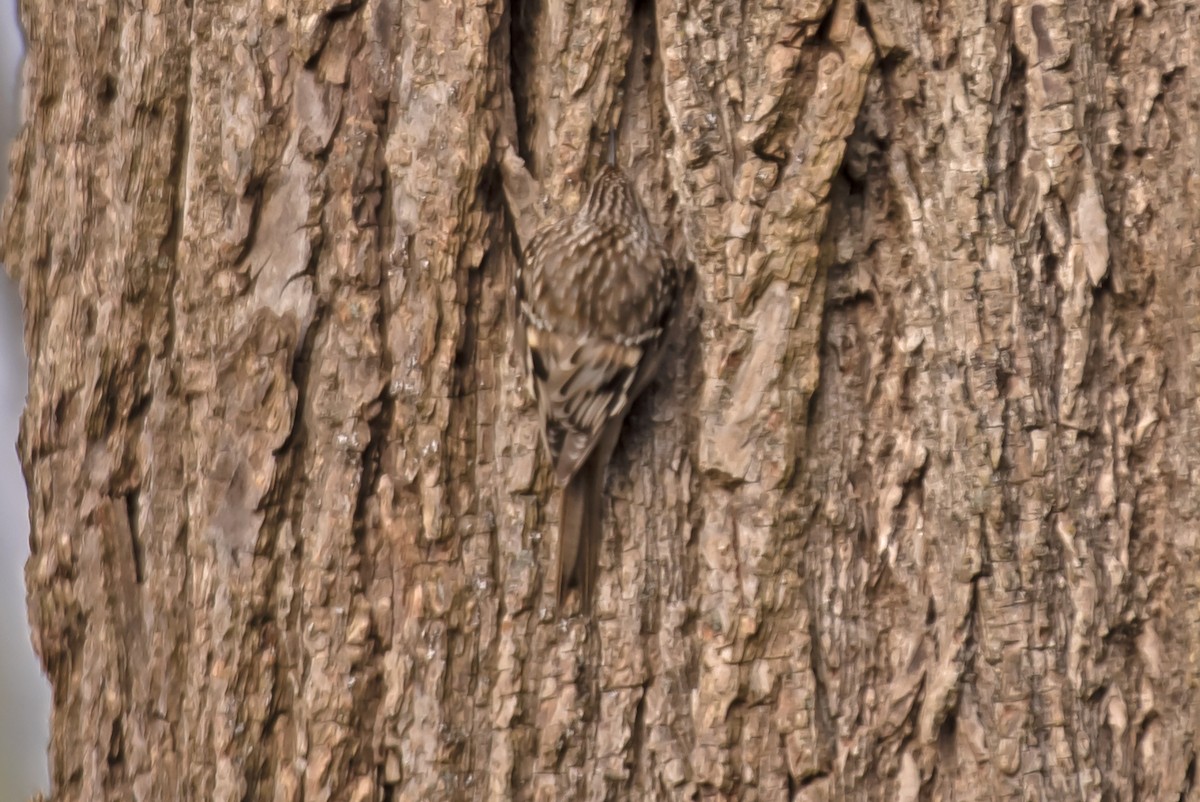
(910, 515)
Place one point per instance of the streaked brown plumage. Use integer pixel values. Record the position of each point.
(594, 299)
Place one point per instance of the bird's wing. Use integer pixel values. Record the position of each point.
(585, 360)
(579, 385)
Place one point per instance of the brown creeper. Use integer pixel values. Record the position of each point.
(594, 299)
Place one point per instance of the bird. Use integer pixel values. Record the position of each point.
(595, 297)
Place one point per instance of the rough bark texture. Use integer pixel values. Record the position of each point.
(912, 514)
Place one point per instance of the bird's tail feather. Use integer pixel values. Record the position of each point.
(581, 534)
(582, 528)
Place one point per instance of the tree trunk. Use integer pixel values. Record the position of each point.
(911, 514)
